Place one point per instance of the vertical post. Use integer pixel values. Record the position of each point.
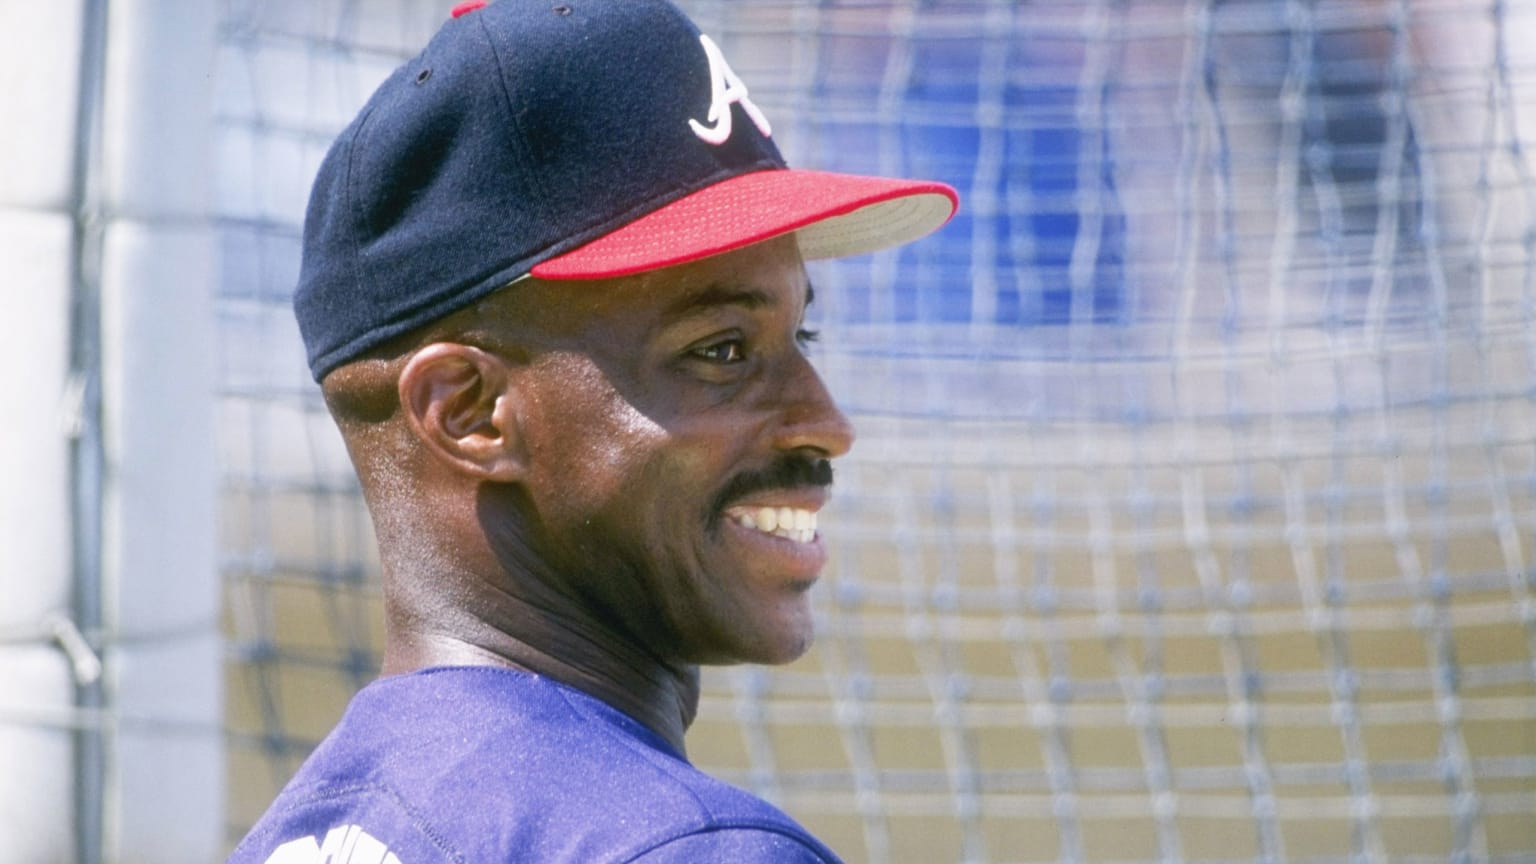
(85, 430)
(160, 579)
(40, 194)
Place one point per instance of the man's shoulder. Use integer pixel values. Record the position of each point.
(492, 765)
(589, 783)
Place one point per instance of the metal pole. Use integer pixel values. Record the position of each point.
(156, 601)
(86, 450)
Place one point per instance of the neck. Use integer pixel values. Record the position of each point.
(529, 637)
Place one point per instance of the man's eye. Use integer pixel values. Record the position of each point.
(729, 351)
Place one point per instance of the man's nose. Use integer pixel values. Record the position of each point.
(811, 419)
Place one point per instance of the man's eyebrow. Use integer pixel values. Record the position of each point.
(715, 296)
(723, 294)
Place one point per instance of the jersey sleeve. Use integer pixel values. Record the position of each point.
(737, 846)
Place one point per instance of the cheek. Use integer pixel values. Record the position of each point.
(585, 441)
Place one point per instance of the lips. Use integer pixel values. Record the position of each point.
(786, 513)
(778, 529)
(790, 523)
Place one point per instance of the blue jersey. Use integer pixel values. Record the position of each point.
(479, 765)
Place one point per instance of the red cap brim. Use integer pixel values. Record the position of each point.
(832, 215)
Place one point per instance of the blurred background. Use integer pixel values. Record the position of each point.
(1192, 513)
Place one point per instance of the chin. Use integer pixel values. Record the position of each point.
(794, 653)
(772, 648)
(786, 646)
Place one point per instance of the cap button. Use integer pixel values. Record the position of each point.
(467, 7)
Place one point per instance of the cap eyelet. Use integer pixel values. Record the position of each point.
(562, 10)
(423, 75)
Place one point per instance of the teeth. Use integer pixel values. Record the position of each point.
(787, 522)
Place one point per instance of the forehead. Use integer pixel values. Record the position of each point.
(766, 277)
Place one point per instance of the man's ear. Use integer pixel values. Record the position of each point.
(458, 402)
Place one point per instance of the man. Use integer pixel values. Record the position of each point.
(554, 295)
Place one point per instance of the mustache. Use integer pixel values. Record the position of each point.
(787, 472)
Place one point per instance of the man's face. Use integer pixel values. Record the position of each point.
(677, 444)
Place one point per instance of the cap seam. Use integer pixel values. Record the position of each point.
(509, 107)
(355, 214)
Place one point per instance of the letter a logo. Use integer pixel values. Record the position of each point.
(724, 89)
(344, 844)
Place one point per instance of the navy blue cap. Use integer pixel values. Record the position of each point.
(585, 139)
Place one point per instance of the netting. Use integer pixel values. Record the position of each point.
(1192, 510)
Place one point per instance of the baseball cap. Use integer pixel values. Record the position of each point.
(574, 140)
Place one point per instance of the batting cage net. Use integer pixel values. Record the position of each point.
(1192, 513)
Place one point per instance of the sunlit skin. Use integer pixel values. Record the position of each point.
(557, 478)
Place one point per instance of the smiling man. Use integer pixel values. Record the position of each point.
(553, 291)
